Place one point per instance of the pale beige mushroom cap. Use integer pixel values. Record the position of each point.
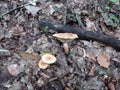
(48, 59)
(42, 65)
(65, 37)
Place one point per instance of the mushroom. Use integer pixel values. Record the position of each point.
(48, 58)
(65, 38)
(42, 65)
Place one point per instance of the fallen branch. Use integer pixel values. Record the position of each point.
(83, 35)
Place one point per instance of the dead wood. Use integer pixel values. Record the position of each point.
(83, 35)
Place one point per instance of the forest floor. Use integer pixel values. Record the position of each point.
(89, 65)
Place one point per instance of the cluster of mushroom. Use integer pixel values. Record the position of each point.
(65, 38)
(46, 60)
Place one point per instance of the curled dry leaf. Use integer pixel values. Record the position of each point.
(13, 69)
(92, 70)
(103, 60)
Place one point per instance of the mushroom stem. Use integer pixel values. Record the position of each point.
(66, 49)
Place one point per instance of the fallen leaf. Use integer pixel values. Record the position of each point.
(111, 86)
(29, 56)
(13, 69)
(92, 70)
(32, 9)
(103, 60)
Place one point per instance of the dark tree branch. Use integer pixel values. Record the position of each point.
(83, 35)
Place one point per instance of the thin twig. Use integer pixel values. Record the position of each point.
(21, 6)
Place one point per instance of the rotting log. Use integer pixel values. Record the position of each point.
(83, 35)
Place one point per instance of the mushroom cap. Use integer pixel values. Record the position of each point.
(48, 58)
(65, 37)
(42, 65)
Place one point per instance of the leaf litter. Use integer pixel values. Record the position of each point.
(22, 43)
(103, 59)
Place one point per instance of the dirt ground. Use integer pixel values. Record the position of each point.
(89, 65)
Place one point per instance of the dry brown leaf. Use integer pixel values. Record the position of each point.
(111, 86)
(103, 59)
(29, 56)
(13, 69)
(92, 70)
